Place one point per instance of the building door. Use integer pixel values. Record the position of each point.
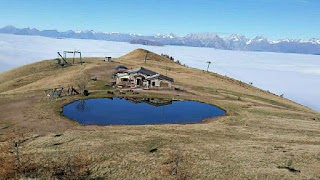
(139, 82)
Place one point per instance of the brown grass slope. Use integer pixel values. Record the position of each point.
(210, 82)
(263, 136)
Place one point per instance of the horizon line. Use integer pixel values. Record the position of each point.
(221, 34)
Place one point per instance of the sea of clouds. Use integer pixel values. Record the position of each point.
(297, 76)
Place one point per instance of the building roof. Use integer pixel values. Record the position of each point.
(121, 67)
(153, 76)
(150, 73)
(124, 77)
(122, 74)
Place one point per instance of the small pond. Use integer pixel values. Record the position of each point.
(138, 111)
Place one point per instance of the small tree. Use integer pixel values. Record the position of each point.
(82, 82)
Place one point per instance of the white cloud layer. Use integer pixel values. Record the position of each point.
(296, 76)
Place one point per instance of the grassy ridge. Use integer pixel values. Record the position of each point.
(262, 136)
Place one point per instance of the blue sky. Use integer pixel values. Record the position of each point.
(271, 18)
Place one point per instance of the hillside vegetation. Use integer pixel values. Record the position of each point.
(262, 135)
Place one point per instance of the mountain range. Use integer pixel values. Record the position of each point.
(212, 40)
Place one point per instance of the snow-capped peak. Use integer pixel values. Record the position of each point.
(259, 39)
(202, 36)
(236, 37)
(314, 41)
(170, 36)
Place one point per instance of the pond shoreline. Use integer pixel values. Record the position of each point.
(151, 104)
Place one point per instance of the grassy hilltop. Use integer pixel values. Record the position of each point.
(262, 136)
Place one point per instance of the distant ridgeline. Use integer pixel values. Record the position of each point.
(212, 40)
(145, 42)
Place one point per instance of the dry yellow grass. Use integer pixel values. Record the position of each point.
(262, 136)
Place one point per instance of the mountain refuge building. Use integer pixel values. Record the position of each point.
(143, 78)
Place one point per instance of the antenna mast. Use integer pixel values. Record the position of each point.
(145, 58)
(208, 65)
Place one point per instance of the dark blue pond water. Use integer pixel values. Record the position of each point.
(116, 111)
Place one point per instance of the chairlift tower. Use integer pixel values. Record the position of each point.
(64, 57)
(74, 54)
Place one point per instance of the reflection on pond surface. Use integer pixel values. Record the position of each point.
(151, 101)
(138, 111)
(82, 106)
